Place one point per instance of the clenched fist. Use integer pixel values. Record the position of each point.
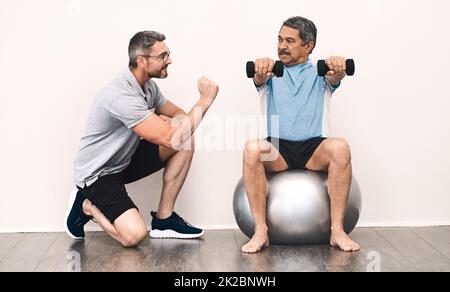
(208, 89)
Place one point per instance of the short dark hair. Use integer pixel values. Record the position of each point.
(306, 28)
(141, 43)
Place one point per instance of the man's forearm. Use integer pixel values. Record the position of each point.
(260, 80)
(335, 80)
(189, 122)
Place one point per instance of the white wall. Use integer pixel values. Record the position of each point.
(56, 54)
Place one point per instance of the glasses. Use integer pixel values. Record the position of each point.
(164, 57)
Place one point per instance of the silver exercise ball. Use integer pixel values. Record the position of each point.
(298, 208)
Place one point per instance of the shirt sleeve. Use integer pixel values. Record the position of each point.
(332, 87)
(130, 109)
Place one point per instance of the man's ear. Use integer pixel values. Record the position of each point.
(140, 61)
(309, 47)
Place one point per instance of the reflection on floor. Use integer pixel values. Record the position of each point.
(383, 249)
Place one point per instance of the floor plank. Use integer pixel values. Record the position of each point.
(379, 251)
(104, 254)
(265, 261)
(376, 255)
(438, 237)
(339, 261)
(65, 254)
(299, 259)
(219, 252)
(7, 243)
(422, 255)
(28, 252)
(178, 255)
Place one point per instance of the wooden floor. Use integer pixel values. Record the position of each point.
(383, 249)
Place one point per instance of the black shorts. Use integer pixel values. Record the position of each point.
(108, 193)
(296, 153)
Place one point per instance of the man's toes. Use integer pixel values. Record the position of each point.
(247, 248)
(351, 247)
(251, 248)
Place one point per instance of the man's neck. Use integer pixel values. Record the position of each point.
(140, 76)
(300, 61)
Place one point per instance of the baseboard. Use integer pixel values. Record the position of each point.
(403, 224)
(93, 228)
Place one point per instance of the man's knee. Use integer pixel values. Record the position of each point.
(253, 150)
(339, 151)
(189, 147)
(133, 238)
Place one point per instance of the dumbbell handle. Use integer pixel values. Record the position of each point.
(322, 67)
(278, 69)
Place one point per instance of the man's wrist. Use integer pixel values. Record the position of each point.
(334, 81)
(206, 102)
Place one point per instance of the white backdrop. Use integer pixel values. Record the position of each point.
(56, 54)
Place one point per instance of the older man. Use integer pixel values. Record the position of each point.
(300, 141)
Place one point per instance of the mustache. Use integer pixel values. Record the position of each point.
(283, 52)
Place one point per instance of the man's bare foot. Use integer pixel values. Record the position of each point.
(259, 241)
(87, 207)
(341, 240)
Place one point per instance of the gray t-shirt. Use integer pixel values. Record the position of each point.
(109, 142)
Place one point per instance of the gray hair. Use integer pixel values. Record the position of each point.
(306, 28)
(141, 43)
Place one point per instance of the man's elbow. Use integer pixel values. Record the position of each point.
(181, 113)
(179, 142)
(171, 141)
(166, 142)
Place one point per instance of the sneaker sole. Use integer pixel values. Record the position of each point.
(173, 234)
(73, 196)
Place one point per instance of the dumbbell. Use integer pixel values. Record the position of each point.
(278, 69)
(322, 67)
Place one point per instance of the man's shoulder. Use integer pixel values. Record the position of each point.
(114, 91)
(120, 82)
